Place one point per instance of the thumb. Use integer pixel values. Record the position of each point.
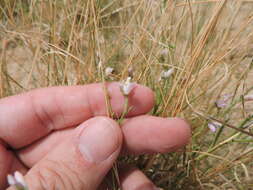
(82, 161)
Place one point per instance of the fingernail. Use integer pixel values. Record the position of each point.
(99, 139)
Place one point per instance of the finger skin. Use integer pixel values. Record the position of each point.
(5, 164)
(28, 117)
(134, 179)
(34, 153)
(82, 160)
(149, 134)
(131, 179)
(142, 134)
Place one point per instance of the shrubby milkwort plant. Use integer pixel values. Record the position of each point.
(200, 50)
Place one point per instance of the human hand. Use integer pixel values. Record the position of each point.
(39, 137)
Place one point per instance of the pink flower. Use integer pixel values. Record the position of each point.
(223, 101)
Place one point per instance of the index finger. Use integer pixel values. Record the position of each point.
(30, 116)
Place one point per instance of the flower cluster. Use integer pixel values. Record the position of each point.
(127, 86)
(17, 180)
(166, 74)
(108, 71)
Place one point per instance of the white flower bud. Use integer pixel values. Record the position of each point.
(108, 71)
(166, 74)
(20, 178)
(11, 180)
(17, 180)
(213, 125)
(127, 86)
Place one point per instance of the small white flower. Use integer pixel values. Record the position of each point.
(11, 180)
(166, 74)
(17, 180)
(20, 178)
(248, 97)
(108, 71)
(213, 125)
(127, 86)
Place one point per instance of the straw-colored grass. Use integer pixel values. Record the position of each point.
(209, 43)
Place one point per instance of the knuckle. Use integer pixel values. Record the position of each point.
(49, 118)
(41, 114)
(57, 175)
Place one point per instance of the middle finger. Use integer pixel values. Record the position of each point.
(142, 134)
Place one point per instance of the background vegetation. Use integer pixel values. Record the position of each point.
(209, 43)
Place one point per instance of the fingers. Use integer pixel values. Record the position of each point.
(28, 117)
(133, 179)
(149, 134)
(82, 160)
(5, 164)
(142, 134)
(35, 152)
